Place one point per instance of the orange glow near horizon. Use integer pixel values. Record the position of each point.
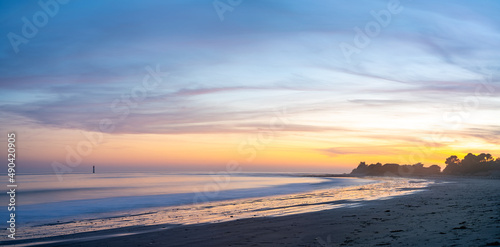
(284, 153)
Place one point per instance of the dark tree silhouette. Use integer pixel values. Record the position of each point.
(434, 169)
(391, 169)
(452, 165)
(482, 164)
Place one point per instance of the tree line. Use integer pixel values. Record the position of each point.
(471, 164)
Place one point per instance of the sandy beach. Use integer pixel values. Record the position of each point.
(250, 123)
(450, 212)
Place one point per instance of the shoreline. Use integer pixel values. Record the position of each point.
(228, 210)
(180, 214)
(442, 213)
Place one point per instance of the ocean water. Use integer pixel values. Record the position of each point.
(47, 206)
(43, 198)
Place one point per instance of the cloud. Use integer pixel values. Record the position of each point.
(361, 150)
(380, 102)
(487, 133)
(229, 76)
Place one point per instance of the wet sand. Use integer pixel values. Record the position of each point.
(451, 212)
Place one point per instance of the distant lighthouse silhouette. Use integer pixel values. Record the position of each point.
(93, 169)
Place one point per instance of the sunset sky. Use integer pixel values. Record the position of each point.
(186, 85)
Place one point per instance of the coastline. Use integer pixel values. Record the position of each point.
(224, 205)
(450, 212)
(227, 210)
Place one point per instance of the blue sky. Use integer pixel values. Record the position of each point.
(229, 76)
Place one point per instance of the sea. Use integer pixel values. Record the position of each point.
(48, 205)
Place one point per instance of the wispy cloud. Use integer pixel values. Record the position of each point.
(228, 77)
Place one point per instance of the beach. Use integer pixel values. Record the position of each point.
(448, 212)
(96, 202)
(250, 123)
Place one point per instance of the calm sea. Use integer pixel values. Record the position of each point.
(44, 199)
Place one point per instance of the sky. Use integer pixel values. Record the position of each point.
(253, 85)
